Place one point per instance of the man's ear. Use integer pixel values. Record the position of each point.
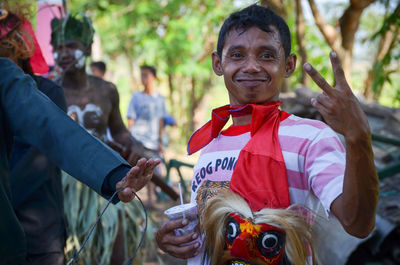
(290, 65)
(217, 64)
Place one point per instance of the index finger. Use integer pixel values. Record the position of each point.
(318, 79)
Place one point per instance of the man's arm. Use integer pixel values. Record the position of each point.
(131, 122)
(46, 127)
(133, 149)
(160, 136)
(356, 206)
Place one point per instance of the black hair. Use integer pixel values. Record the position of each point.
(258, 16)
(99, 65)
(152, 69)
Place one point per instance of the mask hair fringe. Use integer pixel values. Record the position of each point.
(296, 221)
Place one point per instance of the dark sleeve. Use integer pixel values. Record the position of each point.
(111, 180)
(52, 90)
(39, 122)
(55, 93)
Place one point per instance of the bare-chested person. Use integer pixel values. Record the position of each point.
(94, 104)
(91, 101)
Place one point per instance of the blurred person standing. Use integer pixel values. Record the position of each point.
(146, 113)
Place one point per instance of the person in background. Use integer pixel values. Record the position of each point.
(98, 69)
(146, 113)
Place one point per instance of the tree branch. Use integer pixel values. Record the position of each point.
(350, 21)
(329, 32)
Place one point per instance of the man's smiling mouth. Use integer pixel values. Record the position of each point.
(252, 81)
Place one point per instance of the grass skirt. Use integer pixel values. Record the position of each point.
(82, 206)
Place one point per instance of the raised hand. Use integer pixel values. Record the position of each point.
(338, 105)
(136, 178)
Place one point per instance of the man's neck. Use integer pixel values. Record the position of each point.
(149, 89)
(76, 79)
(241, 120)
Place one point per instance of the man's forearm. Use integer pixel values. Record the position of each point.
(356, 207)
(130, 123)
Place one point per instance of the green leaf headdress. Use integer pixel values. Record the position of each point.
(71, 28)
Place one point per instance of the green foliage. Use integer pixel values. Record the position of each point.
(385, 68)
(178, 36)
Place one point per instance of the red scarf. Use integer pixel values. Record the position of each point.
(260, 172)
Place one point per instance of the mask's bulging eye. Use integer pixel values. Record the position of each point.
(270, 243)
(232, 230)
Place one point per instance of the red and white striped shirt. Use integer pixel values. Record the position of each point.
(314, 157)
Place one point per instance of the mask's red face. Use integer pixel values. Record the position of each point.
(250, 243)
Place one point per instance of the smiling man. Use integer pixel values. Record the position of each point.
(254, 56)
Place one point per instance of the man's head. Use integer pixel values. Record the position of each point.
(98, 69)
(253, 55)
(148, 75)
(255, 16)
(71, 39)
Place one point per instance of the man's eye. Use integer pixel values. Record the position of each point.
(236, 55)
(267, 56)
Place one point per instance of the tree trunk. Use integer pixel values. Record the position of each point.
(385, 47)
(193, 103)
(276, 5)
(300, 29)
(171, 90)
(132, 78)
(348, 23)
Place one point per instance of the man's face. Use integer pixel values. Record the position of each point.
(97, 72)
(253, 65)
(70, 55)
(147, 77)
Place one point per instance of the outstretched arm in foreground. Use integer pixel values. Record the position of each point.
(46, 127)
(356, 206)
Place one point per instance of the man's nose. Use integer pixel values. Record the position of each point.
(252, 65)
(63, 52)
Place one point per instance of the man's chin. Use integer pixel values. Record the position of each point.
(69, 69)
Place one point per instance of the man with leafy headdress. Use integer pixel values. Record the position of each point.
(94, 104)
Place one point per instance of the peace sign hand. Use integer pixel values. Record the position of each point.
(338, 105)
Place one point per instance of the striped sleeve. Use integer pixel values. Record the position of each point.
(324, 165)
